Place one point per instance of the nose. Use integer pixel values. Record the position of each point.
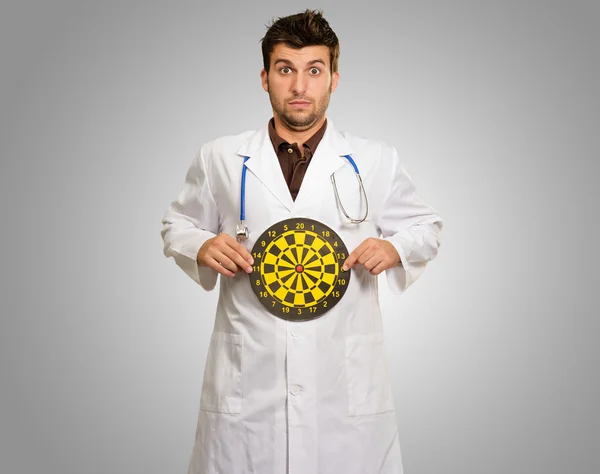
(300, 84)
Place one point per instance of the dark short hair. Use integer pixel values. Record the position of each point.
(308, 28)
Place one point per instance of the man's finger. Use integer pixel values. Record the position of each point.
(381, 266)
(219, 266)
(371, 261)
(354, 256)
(240, 249)
(367, 255)
(237, 259)
(244, 252)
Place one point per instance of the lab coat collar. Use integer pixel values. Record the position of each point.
(258, 139)
(263, 163)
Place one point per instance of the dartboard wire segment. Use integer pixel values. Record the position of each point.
(297, 271)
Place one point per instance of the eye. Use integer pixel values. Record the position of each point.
(284, 68)
(315, 71)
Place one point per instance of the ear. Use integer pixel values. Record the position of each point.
(264, 79)
(335, 78)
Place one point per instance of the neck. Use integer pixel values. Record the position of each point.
(292, 136)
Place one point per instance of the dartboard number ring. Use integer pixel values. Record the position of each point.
(297, 271)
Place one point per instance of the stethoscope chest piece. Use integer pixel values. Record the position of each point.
(297, 272)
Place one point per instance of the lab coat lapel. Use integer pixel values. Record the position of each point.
(328, 158)
(264, 164)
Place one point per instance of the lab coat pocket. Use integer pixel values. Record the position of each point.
(369, 389)
(222, 384)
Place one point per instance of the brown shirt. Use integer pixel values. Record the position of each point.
(293, 165)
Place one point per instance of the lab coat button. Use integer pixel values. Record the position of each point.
(293, 334)
(295, 390)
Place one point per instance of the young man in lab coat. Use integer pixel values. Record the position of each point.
(300, 397)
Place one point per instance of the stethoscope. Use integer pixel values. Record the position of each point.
(242, 232)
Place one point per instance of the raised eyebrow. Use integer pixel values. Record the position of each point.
(310, 63)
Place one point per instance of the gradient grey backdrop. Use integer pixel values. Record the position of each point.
(494, 109)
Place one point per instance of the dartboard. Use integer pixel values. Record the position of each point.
(297, 272)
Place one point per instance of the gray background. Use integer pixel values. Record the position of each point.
(494, 108)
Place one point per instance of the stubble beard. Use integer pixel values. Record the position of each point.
(299, 121)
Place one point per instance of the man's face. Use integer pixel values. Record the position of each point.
(299, 84)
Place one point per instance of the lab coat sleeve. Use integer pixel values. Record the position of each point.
(190, 221)
(410, 225)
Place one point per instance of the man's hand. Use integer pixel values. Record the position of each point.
(376, 255)
(225, 255)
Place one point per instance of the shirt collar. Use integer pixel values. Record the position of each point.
(311, 143)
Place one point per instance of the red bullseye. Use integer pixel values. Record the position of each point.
(299, 268)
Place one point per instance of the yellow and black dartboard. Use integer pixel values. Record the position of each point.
(297, 273)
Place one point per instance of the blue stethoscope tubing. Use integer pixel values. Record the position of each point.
(243, 192)
(242, 230)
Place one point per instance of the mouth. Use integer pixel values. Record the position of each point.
(299, 103)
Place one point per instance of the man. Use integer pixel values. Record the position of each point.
(298, 396)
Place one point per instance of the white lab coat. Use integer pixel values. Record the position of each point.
(309, 397)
